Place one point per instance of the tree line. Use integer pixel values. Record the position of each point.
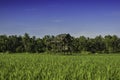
(63, 43)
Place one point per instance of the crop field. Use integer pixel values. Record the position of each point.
(59, 67)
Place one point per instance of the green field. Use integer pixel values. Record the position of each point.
(59, 67)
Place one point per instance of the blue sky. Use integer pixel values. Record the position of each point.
(52, 17)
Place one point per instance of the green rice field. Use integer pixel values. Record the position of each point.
(59, 67)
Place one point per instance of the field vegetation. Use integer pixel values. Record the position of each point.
(59, 67)
(60, 57)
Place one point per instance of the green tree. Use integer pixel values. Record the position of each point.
(39, 46)
(3, 43)
(99, 44)
(27, 42)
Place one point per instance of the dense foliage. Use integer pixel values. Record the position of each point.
(60, 43)
(54, 67)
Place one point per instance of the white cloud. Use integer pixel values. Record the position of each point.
(57, 21)
(114, 13)
(31, 9)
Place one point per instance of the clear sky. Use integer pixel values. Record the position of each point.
(52, 17)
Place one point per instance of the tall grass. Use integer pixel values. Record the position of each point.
(59, 67)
